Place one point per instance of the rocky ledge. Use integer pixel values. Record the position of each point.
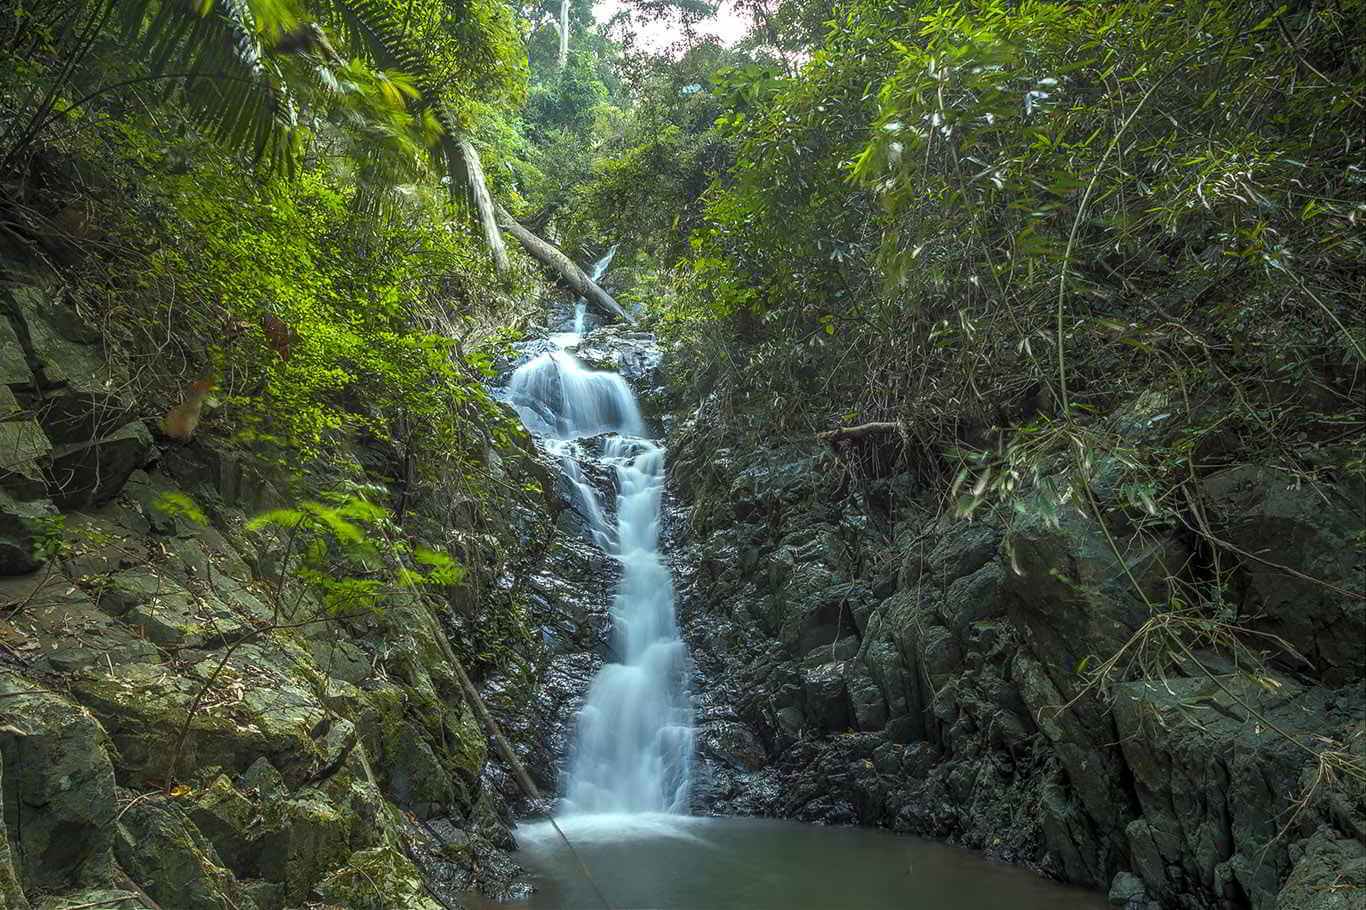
(167, 738)
(865, 659)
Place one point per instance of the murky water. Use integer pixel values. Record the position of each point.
(671, 862)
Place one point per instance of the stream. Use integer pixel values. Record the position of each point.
(626, 784)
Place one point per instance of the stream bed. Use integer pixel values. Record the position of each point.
(673, 862)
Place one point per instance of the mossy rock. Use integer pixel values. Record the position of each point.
(93, 899)
(293, 841)
(378, 879)
(252, 709)
(23, 528)
(64, 630)
(58, 788)
(172, 861)
(96, 545)
(11, 892)
(23, 446)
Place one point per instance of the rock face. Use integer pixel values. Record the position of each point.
(169, 727)
(861, 662)
(67, 437)
(59, 789)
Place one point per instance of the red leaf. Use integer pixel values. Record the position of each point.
(277, 334)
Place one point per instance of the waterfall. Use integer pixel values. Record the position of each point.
(634, 739)
(559, 397)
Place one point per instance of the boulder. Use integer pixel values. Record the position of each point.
(58, 788)
(377, 879)
(160, 609)
(1280, 527)
(1330, 875)
(79, 399)
(290, 841)
(825, 696)
(1073, 595)
(733, 743)
(23, 448)
(171, 860)
(1127, 892)
(1216, 763)
(25, 526)
(93, 471)
(254, 707)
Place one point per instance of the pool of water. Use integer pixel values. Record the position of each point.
(669, 862)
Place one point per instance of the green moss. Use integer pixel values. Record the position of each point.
(377, 879)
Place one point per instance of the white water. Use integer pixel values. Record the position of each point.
(634, 744)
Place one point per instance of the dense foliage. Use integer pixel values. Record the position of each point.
(987, 224)
(1064, 256)
(246, 199)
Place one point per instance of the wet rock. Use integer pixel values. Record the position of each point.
(865, 696)
(58, 789)
(619, 348)
(1127, 891)
(733, 743)
(1072, 593)
(826, 697)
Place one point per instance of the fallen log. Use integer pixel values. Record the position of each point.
(557, 262)
(851, 434)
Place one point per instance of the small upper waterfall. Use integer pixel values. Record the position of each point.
(635, 737)
(570, 339)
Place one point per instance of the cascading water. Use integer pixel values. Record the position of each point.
(634, 744)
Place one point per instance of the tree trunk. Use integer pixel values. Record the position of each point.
(562, 265)
(564, 33)
(468, 157)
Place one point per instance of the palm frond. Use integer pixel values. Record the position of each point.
(380, 32)
(239, 95)
(377, 31)
(231, 89)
